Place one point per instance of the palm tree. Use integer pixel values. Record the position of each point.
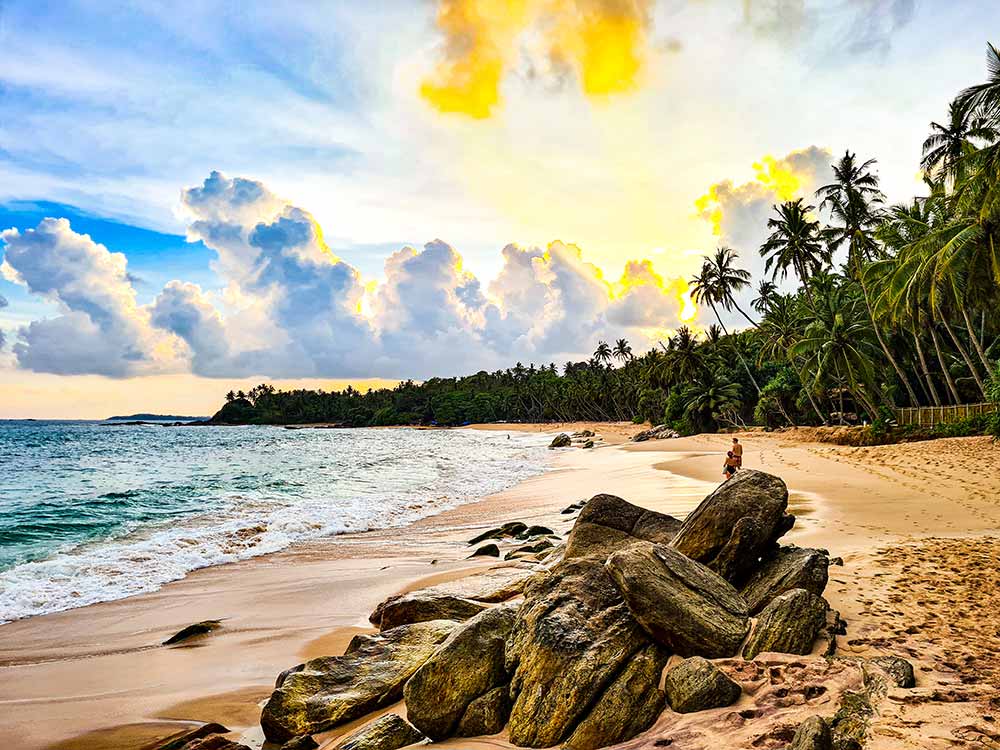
(794, 243)
(948, 147)
(622, 350)
(779, 331)
(710, 395)
(766, 290)
(682, 360)
(853, 199)
(704, 288)
(603, 352)
(729, 279)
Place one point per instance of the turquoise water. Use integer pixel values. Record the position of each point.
(92, 513)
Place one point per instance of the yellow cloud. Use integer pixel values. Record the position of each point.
(603, 41)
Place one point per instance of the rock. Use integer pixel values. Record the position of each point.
(792, 568)
(487, 714)
(182, 739)
(572, 637)
(681, 604)
(467, 665)
(198, 628)
(215, 742)
(628, 706)
(562, 440)
(608, 523)
(660, 432)
(388, 732)
(569, 509)
(530, 549)
(419, 606)
(788, 625)
(588, 444)
(535, 531)
(900, 671)
(696, 685)
(812, 734)
(511, 528)
(303, 742)
(496, 584)
(487, 550)
(326, 692)
(714, 535)
(583, 434)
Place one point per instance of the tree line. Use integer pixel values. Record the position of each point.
(907, 318)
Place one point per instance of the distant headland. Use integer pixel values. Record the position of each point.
(155, 418)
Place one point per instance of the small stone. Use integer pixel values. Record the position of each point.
(302, 742)
(183, 739)
(562, 440)
(696, 685)
(898, 669)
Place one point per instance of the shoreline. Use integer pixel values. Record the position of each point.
(70, 673)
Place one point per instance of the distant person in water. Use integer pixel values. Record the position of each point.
(738, 452)
(730, 466)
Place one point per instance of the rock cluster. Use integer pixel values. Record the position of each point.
(660, 432)
(578, 661)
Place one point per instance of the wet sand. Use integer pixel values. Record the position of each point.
(914, 523)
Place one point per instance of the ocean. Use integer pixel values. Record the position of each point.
(92, 513)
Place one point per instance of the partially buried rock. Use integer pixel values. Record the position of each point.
(900, 670)
(324, 693)
(812, 734)
(215, 742)
(184, 739)
(487, 550)
(788, 625)
(681, 604)
(535, 531)
(629, 706)
(305, 742)
(572, 637)
(697, 685)
(562, 440)
(388, 732)
(588, 444)
(419, 606)
(714, 535)
(791, 568)
(511, 528)
(199, 628)
(608, 523)
(468, 664)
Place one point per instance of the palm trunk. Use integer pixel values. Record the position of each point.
(738, 354)
(965, 355)
(749, 319)
(878, 334)
(926, 373)
(944, 367)
(975, 339)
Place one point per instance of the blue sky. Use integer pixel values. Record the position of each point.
(112, 110)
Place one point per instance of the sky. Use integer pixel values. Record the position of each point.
(203, 196)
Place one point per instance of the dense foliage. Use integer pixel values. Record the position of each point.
(909, 318)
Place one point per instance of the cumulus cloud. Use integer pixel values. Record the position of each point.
(291, 308)
(101, 328)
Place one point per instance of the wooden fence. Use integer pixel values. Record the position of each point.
(928, 416)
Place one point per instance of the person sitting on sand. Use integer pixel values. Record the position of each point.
(730, 466)
(738, 452)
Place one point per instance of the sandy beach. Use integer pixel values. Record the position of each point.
(916, 525)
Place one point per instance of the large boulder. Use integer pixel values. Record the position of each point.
(629, 706)
(696, 685)
(659, 432)
(562, 440)
(680, 603)
(469, 664)
(788, 625)
(332, 690)
(573, 636)
(421, 606)
(496, 584)
(716, 535)
(389, 732)
(791, 568)
(608, 522)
